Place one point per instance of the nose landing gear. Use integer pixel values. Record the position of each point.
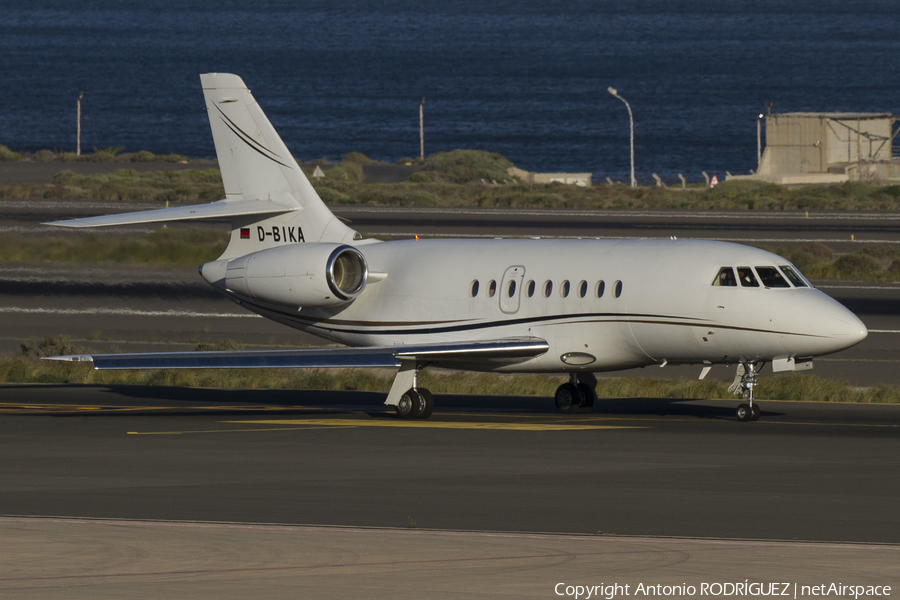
(744, 382)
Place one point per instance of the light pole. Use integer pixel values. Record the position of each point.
(758, 141)
(422, 129)
(78, 147)
(613, 91)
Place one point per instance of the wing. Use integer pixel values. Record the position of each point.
(213, 210)
(503, 351)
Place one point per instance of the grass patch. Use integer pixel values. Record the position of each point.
(193, 246)
(188, 185)
(111, 154)
(461, 178)
(798, 387)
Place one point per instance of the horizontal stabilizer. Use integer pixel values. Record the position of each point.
(213, 210)
(512, 349)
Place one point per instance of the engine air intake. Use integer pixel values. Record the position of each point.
(347, 272)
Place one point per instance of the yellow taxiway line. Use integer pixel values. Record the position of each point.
(421, 424)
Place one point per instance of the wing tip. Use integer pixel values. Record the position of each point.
(71, 358)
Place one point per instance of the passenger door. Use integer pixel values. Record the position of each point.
(511, 289)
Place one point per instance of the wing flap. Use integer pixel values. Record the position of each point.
(213, 210)
(506, 350)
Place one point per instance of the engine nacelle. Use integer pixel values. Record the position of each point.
(311, 275)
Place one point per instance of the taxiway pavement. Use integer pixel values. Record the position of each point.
(805, 471)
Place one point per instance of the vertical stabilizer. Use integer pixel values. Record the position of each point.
(256, 165)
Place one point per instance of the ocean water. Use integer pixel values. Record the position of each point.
(526, 79)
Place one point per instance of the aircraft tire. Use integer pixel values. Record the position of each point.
(755, 412)
(588, 395)
(409, 405)
(568, 398)
(744, 412)
(427, 404)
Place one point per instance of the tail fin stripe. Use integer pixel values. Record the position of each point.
(254, 148)
(233, 126)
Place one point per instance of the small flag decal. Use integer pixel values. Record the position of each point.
(245, 233)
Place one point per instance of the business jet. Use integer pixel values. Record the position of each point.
(577, 307)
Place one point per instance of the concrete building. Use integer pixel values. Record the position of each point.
(579, 179)
(829, 148)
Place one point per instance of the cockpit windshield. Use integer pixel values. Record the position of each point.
(725, 277)
(793, 276)
(748, 279)
(771, 278)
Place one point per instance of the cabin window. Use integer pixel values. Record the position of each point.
(792, 276)
(771, 278)
(617, 289)
(492, 288)
(725, 278)
(582, 289)
(529, 289)
(600, 288)
(511, 289)
(748, 279)
(564, 289)
(473, 289)
(548, 288)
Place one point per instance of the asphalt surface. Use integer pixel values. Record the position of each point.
(631, 467)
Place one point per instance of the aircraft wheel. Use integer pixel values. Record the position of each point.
(744, 412)
(427, 404)
(588, 395)
(755, 412)
(568, 397)
(410, 404)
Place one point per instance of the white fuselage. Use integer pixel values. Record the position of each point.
(658, 303)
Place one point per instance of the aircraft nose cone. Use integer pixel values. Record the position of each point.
(842, 329)
(824, 324)
(849, 328)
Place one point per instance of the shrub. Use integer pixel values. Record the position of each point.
(219, 346)
(359, 158)
(44, 156)
(6, 154)
(346, 171)
(855, 266)
(893, 191)
(143, 156)
(893, 271)
(463, 166)
(421, 177)
(104, 155)
(820, 251)
(51, 346)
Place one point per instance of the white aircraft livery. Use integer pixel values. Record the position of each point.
(505, 305)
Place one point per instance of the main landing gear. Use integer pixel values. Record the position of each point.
(744, 382)
(415, 403)
(577, 393)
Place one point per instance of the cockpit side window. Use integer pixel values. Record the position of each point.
(748, 279)
(725, 278)
(792, 276)
(771, 278)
